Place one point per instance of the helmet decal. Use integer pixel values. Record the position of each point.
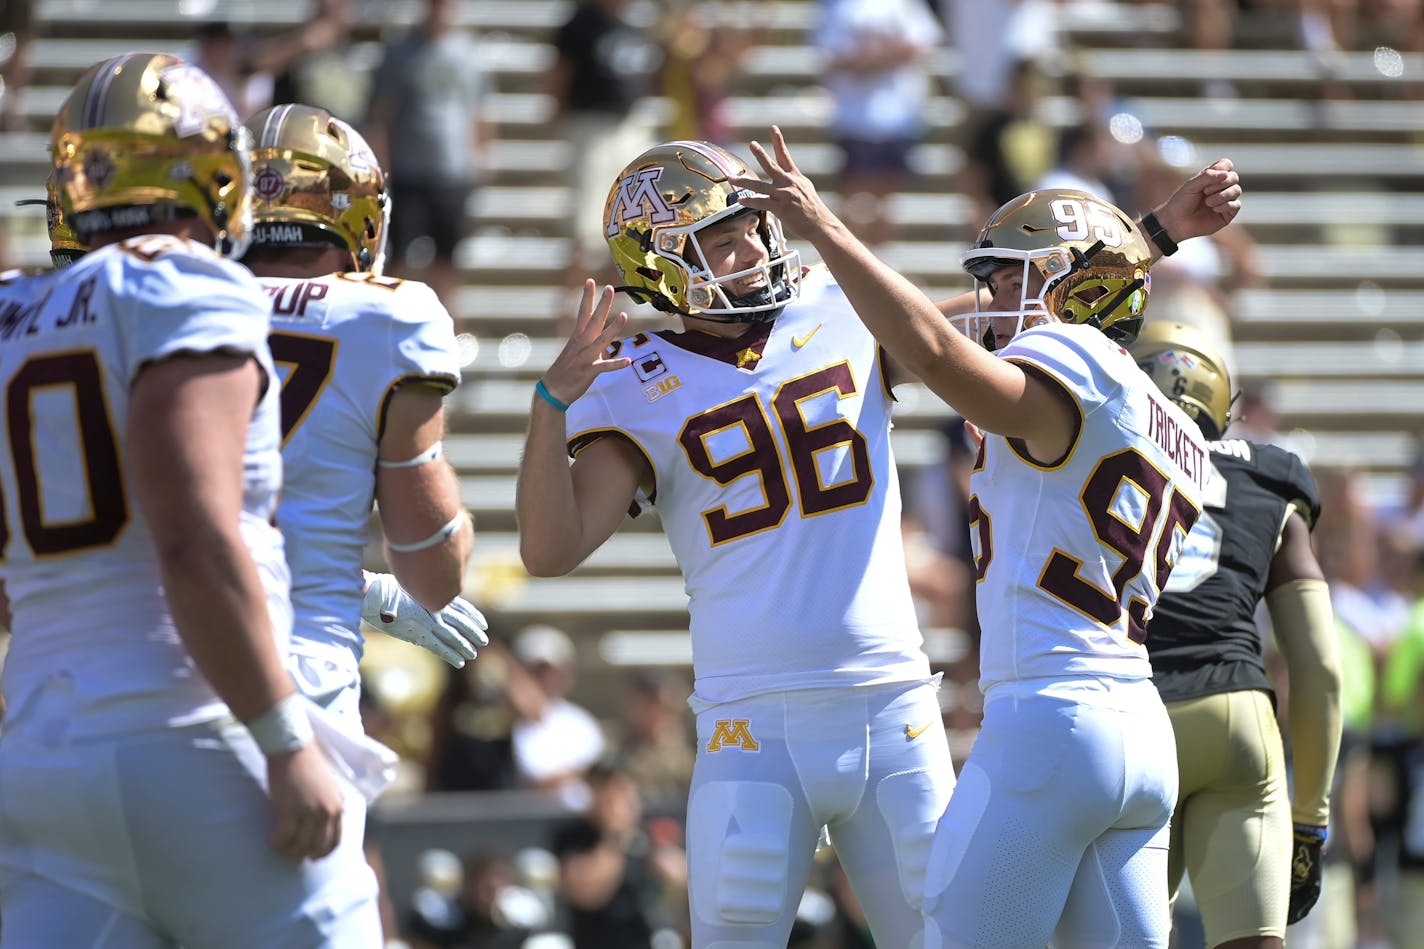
(638, 197)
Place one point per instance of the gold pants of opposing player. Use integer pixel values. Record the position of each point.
(1231, 830)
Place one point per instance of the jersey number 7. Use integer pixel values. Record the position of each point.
(309, 361)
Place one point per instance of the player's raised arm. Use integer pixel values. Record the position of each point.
(996, 395)
(566, 511)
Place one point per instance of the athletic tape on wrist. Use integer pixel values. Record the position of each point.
(283, 728)
(439, 537)
(424, 458)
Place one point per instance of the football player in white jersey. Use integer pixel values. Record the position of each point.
(759, 430)
(159, 783)
(1087, 482)
(366, 362)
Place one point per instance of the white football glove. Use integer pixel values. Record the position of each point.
(452, 634)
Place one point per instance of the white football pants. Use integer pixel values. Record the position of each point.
(1059, 826)
(160, 837)
(872, 763)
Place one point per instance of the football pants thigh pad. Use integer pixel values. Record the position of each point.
(739, 834)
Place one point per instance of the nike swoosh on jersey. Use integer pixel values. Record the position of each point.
(798, 341)
(912, 733)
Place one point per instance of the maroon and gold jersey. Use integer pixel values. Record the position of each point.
(775, 482)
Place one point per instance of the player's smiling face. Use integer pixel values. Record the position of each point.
(731, 246)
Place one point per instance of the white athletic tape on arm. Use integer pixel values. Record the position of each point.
(439, 537)
(283, 728)
(424, 458)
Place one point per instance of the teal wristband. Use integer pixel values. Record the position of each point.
(547, 396)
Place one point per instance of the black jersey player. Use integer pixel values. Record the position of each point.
(1251, 846)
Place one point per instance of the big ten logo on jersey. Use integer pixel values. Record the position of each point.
(732, 733)
(651, 369)
(638, 196)
(292, 299)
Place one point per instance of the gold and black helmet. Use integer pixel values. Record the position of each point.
(145, 138)
(1189, 370)
(316, 181)
(1092, 257)
(652, 217)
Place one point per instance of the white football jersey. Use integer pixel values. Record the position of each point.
(78, 562)
(777, 488)
(1072, 553)
(342, 343)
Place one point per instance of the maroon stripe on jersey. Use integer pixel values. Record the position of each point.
(743, 351)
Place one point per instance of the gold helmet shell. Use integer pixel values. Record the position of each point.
(145, 138)
(1189, 370)
(1092, 257)
(652, 217)
(316, 181)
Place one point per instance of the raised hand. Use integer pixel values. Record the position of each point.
(1204, 204)
(787, 193)
(585, 355)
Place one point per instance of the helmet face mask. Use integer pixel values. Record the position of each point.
(1187, 368)
(316, 182)
(145, 139)
(1090, 258)
(656, 217)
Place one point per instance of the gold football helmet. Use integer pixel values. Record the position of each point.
(652, 217)
(1093, 260)
(145, 138)
(1186, 367)
(316, 181)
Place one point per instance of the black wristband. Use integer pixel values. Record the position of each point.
(1159, 234)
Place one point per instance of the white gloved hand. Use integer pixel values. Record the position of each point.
(452, 634)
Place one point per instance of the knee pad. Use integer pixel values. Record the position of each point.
(911, 803)
(739, 833)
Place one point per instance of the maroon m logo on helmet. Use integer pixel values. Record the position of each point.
(638, 197)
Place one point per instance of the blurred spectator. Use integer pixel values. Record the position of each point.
(483, 907)
(620, 878)
(1406, 524)
(1349, 541)
(322, 72)
(429, 124)
(1012, 145)
(603, 67)
(1196, 285)
(704, 44)
(472, 725)
(1084, 162)
(555, 741)
(227, 56)
(17, 34)
(656, 745)
(991, 38)
(935, 518)
(874, 54)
